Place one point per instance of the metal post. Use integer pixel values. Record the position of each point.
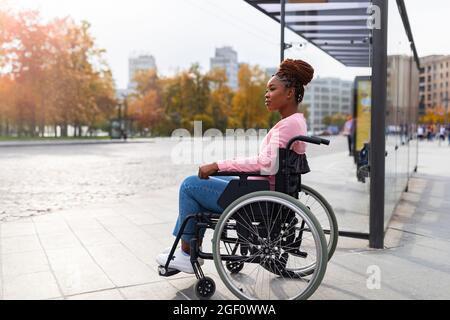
(282, 21)
(378, 125)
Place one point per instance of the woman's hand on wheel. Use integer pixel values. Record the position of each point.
(206, 170)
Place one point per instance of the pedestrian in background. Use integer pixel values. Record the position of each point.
(349, 131)
(420, 132)
(448, 134)
(442, 133)
(429, 133)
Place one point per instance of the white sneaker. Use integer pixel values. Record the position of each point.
(180, 261)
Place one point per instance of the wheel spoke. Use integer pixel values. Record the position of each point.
(266, 226)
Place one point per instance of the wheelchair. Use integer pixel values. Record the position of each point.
(266, 244)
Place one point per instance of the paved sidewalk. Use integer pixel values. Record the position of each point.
(56, 142)
(108, 251)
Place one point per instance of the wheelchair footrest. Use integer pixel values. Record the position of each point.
(163, 272)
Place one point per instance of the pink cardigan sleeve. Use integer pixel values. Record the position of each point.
(266, 161)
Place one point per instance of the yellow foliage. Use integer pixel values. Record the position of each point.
(437, 115)
(248, 108)
(58, 73)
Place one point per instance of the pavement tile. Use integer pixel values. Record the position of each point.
(99, 295)
(32, 286)
(15, 264)
(77, 272)
(121, 266)
(162, 290)
(59, 241)
(105, 212)
(46, 226)
(95, 237)
(140, 219)
(160, 232)
(165, 215)
(137, 241)
(20, 244)
(115, 221)
(17, 228)
(81, 222)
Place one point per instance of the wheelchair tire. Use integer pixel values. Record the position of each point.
(299, 277)
(205, 288)
(323, 211)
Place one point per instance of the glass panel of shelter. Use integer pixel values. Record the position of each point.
(347, 39)
(401, 112)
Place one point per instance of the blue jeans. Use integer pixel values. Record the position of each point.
(196, 196)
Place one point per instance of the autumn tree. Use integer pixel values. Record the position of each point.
(24, 53)
(145, 108)
(219, 108)
(7, 103)
(87, 93)
(436, 115)
(185, 99)
(60, 77)
(248, 107)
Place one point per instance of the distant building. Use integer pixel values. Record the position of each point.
(137, 63)
(226, 58)
(402, 93)
(325, 97)
(434, 82)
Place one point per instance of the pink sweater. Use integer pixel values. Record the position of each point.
(266, 161)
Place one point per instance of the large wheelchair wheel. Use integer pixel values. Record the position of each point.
(324, 213)
(278, 244)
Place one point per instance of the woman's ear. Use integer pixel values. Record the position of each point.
(291, 93)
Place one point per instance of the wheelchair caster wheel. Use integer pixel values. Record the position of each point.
(205, 288)
(234, 267)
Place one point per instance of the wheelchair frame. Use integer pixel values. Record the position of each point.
(207, 220)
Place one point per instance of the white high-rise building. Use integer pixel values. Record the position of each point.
(226, 58)
(325, 97)
(137, 63)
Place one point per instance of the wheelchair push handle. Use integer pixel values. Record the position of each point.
(314, 140)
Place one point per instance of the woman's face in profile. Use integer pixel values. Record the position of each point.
(276, 94)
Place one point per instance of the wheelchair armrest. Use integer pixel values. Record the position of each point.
(241, 175)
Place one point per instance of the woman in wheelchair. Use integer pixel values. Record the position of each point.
(197, 194)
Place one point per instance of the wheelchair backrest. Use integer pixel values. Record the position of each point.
(291, 166)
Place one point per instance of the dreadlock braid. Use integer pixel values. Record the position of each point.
(295, 74)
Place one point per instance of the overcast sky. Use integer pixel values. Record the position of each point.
(180, 32)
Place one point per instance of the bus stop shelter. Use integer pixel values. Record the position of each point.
(356, 34)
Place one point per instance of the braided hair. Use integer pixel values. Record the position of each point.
(295, 74)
